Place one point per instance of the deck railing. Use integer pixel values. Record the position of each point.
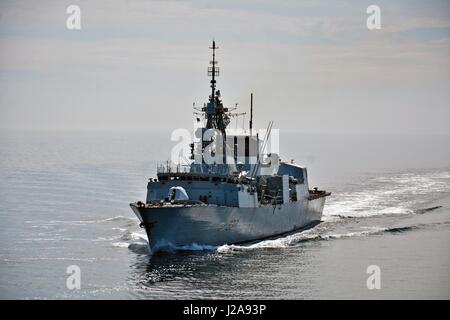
(168, 168)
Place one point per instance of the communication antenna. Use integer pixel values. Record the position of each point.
(251, 113)
(213, 71)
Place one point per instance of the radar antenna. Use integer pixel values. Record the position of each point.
(213, 71)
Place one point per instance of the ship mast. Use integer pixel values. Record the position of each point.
(216, 114)
(212, 71)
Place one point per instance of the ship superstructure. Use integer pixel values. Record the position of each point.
(232, 191)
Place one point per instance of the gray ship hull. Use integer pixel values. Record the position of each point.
(218, 225)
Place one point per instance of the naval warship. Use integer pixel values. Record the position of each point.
(231, 190)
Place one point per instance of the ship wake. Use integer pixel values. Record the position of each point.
(137, 242)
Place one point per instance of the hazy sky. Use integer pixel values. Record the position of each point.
(313, 66)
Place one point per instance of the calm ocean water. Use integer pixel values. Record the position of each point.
(64, 201)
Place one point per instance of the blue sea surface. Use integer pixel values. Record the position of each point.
(64, 200)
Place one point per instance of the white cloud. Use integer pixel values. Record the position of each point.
(143, 57)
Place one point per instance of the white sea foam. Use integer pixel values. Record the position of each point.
(283, 242)
(81, 222)
(134, 241)
(398, 194)
(121, 244)
(139, 236)
(298, 238)
(119, 229)
(141, 246)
